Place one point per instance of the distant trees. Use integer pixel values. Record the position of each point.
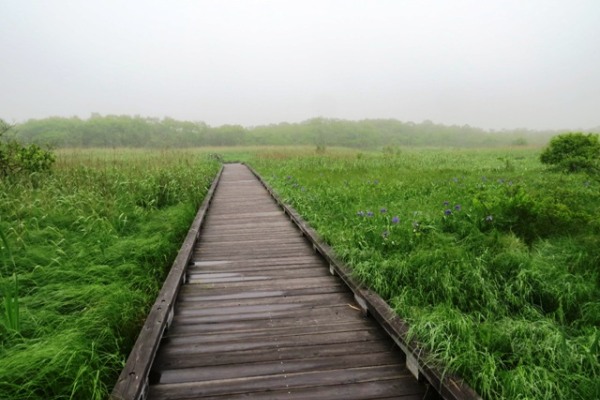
(136, 131)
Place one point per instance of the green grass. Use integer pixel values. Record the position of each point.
(492, 259)
(90, 244)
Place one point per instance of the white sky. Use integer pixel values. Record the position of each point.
(493, 64)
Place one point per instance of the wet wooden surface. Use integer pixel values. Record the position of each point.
(261, 317)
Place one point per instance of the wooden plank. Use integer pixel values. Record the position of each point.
(307, 314)
(202, 294)
(253, 324)
(189, 390)
(198, 347)
(254, 263)
(302, 334)
(306, 300)
(403, 388)
(281, 284)
(248, 275)
(164, 360)
(199, 374)
(223, 332)
(253, 241)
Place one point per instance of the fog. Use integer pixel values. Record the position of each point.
(491, 64)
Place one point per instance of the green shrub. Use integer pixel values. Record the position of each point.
(573, 152)
(16, 158)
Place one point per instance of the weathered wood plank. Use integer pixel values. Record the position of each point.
(258, 264)
(267, 274)
(306, 300)
(199, 374)
(190, 390)
(281, 353)
(404, 388)
(250, 324)
(309, 313)
(265, 330)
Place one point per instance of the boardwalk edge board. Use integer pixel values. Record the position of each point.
(449, 386)
(133, 380)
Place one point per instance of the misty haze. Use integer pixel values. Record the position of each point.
(491, 65)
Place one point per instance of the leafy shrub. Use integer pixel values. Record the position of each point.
(573, 152)
(16, 158)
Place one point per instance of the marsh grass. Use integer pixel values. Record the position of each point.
(492, 259)
(91, 243)
(10, 290)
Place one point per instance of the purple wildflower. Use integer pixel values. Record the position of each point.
(370, 213)
(446, 203)
(458, 207)
(395, 220)
(383, 210)
(448, 212)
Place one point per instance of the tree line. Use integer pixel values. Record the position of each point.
(137, 131)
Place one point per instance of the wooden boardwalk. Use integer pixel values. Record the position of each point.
(261, 317)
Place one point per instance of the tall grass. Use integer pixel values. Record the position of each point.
(91, 244)
(492, 259)
(10, 290)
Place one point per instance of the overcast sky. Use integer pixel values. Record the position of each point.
(493, 64)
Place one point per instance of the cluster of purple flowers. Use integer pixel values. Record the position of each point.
(448, 211)
(369, 214)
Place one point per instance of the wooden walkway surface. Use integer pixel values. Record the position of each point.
(261, 317)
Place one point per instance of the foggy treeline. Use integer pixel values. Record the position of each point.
(136, 131)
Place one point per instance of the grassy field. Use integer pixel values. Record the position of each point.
(83, 253)
(492, 259)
